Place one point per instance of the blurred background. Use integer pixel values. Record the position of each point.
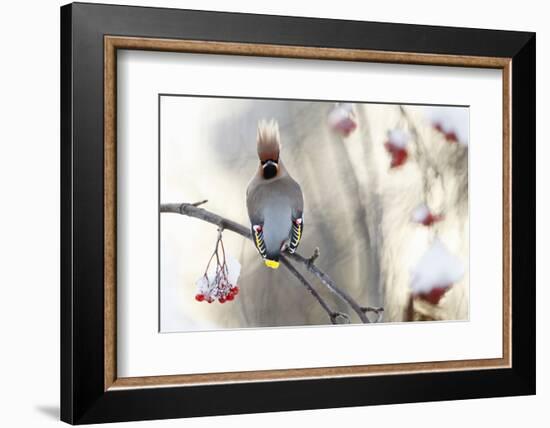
(380, 183)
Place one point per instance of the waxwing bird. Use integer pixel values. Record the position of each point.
(274, 200)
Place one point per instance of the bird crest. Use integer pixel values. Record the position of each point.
(268, 140)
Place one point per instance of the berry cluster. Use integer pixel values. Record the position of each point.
(435, 273)
(450, 136)
(434, 295)
(233, 291)
(219, 281)
(341, 119)
(424, 216)
(396, 145)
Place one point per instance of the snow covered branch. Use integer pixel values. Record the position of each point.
(193, 210)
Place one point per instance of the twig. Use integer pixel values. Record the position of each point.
(329, 283)
(377, 310)
(333, 315)
(422, 153)
(314, 256)
(409, 309)
(192, 210)
(355, 197)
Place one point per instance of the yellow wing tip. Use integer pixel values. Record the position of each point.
(271, 263)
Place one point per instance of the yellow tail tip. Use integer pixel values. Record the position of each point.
(271, 263)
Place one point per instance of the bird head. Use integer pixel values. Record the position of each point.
(269, 146)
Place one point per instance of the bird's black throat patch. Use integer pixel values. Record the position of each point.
(270, 171)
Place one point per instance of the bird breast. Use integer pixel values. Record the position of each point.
(277, 223)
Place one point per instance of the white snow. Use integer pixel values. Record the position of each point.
(436, 268)
(234, 269)
(346, 106)
(420, 213)
(451, 119)
(213, 283)
(203, 283)
(340, 112)
(398, 138)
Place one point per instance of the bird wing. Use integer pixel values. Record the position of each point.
(295, 192)
(297, 216)
(253, 203)
(258, 234)
(296, 234)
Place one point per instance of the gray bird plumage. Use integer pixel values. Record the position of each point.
(275, 202)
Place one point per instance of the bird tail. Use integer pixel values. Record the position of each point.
(273, 264)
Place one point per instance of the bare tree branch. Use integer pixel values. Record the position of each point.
(315, 255)
(196, 204)
(334, 316)
(329, 283)
(192, 210)
(377, 310)
(409, 309)
(423, 157)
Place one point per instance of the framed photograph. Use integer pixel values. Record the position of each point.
(265, 213)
